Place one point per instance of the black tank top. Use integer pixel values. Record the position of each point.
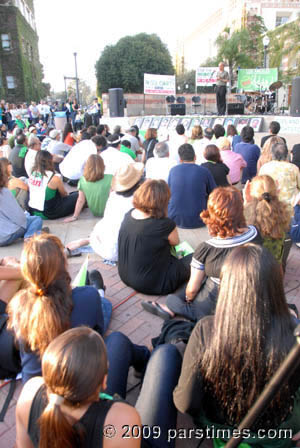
(92, 420)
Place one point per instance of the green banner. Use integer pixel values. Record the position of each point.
(256, 80)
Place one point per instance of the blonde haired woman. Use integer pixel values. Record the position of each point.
(267, 213)
(266, 155)
(94, 188)
(196, 140)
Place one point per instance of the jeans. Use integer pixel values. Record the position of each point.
(122, 354)
(33, 225)
(155, 403)
(204, 303)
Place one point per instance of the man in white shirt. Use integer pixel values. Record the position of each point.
(131, 137)
(158, 167)
(34, 112)
(112, 157)
(73, 164)
(177, 139)
(34, 145)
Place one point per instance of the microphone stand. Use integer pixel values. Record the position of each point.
(284, 372)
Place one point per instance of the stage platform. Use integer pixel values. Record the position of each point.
(289, 125)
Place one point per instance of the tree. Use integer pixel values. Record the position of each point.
(124, 64)
(186, 79)
(233, 49)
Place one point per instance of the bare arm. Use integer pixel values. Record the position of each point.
(174, 237)
(57, 184)
(17, 183)
(23, 410)
(194, 284)
(119, 417)
(78, 207)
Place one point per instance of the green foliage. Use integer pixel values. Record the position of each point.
(184, 79)
(123, 65)
(235, 50)
(211, 62)
(31, 70)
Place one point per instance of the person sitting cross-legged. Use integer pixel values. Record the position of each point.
(190, 186)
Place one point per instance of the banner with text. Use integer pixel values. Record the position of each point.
(255, 80)
(159, 84)
(206, 76)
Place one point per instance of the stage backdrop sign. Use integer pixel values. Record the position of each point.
(255, 80)
(159, 84)
(206, 76)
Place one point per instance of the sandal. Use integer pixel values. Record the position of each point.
(156, 309)
(72, 253)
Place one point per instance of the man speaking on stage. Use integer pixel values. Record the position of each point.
(222, 80)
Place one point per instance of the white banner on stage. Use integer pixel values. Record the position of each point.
(207, 76)
(159, 84)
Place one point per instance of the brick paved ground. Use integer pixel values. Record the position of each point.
(128, 317)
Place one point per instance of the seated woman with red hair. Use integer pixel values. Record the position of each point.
(226, 224)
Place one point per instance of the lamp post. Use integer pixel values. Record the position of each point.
(266, 42)
(76, 76)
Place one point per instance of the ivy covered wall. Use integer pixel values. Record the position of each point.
(21, 60)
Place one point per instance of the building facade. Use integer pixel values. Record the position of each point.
(21, 72)
(200, 44)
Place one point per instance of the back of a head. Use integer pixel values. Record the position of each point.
(224, 216)
(21, 139)
(43, 310)
(231, 130)
(100, 129)
(274, 127)
(92, 130)
(266, 149)
(85, 136)
(126, 143)
(152, 198)
(161, 150)
(219, 130)
(68, 383)
(224, 143)
(99, 141)
(94, 168)
(208, 133)
(253, 326)
(197, 132)
(32, 141)
(247, 134)
(180, 129)
(212, 153)
(117, 129)
(114, 140)
(279, 152)
(186, 153)
(151, 133)
(3, 176)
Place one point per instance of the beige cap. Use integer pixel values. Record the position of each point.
(127, 176)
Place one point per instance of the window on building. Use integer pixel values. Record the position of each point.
(10, 81)
(281, 20)
(6, 42)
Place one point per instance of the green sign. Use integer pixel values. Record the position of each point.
(256, 80)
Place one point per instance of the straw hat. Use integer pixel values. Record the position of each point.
(127, 176)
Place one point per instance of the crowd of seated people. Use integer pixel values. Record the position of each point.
(228, 292)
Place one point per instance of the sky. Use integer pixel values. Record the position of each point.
(87, 26)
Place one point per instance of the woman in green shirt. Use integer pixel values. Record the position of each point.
(94, 188)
